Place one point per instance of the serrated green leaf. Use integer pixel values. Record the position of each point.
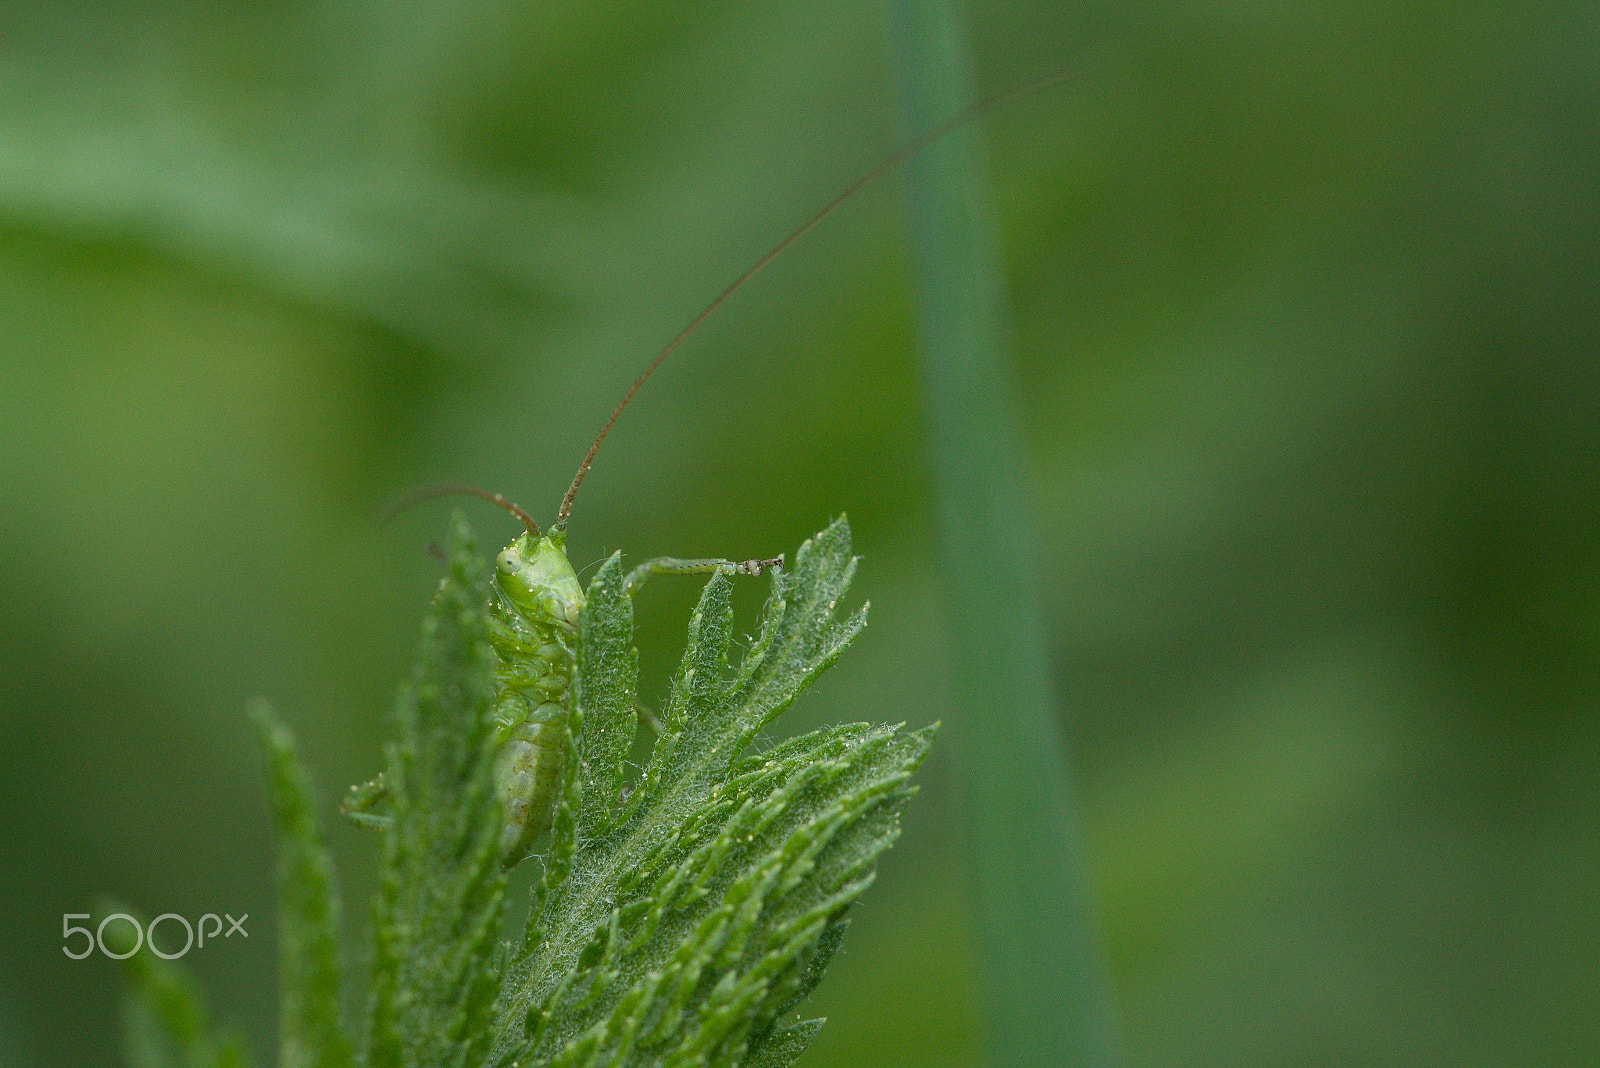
(165, 1022)
(605, 691)
(675, 926)
(785, 1044)
(441, 899)
(308, 912)
(689, 919)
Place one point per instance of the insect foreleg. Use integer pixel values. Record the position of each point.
(671, 565)
(361, 800)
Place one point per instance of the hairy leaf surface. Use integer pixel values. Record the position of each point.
(681, 923)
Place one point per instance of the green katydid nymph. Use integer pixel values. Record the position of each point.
(538, 603)
(534, 630)
(534, 619)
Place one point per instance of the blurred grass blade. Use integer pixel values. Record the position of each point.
(1045, 993)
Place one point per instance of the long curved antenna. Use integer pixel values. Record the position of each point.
(888, 163)
(424, 493)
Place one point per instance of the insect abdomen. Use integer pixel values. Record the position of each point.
(535, 717)
(528, 774)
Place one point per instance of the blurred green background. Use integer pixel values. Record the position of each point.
(1307, 303)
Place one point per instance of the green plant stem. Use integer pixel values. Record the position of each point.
(1044, 987)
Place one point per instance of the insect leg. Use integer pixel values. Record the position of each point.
(671, 565)
(360, 800)
(647, 714)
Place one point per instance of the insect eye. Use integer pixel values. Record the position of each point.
(507, 562)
